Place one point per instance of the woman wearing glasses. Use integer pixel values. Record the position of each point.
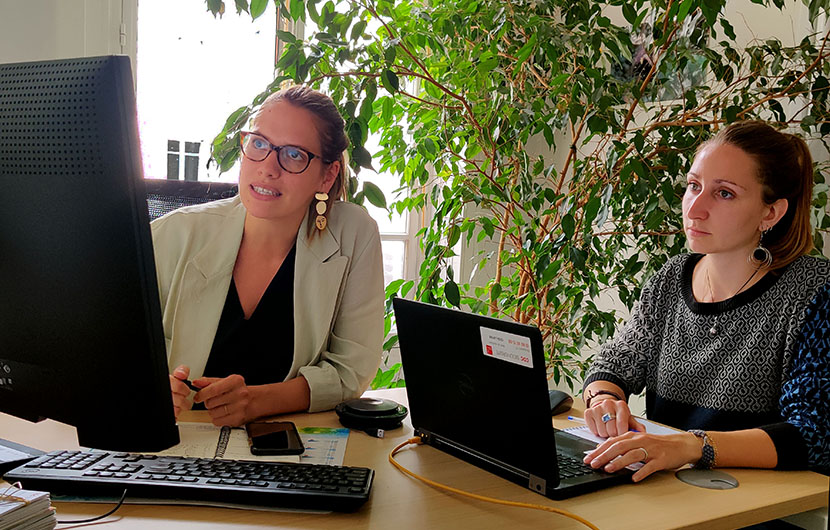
(273, 300)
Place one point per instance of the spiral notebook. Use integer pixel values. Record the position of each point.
(26, 509)
(204, 440)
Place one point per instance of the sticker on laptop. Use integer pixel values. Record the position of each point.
(506, 346)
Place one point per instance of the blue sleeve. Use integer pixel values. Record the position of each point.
(804, 395)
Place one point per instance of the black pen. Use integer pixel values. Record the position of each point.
(189, 384)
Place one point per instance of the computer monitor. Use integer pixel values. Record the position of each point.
(81, 338)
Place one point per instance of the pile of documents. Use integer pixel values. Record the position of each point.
(25, 510)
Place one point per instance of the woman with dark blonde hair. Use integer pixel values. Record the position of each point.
(731, 341)
(273, 300)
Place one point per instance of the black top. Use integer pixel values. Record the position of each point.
(261, 348)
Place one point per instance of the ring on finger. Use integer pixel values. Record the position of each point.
(607, 417)
(645, 454)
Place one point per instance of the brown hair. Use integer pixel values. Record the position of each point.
(785, 171)
(331, 128)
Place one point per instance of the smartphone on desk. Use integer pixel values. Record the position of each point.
(274, 438)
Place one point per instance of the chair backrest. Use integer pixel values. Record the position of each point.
(167, 195)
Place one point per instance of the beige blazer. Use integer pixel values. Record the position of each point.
(338, 294)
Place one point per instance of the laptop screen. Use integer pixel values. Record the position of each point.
(478, 383)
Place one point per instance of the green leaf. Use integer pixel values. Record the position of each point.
(578, 257)
(389, 81)
(358, 29)
(495, 291)
(286, 36)
(596, 124)
(216, 7)
(237, 118)
(241, 6)
(393, 287)
(629, 13)
(362, 157)
(374, 195)
(730, 114)
(297, 9)
(568, 224)
(386, 109)
(525, 51)
(727, 28)
(452, 294)
(487, 226)
(390, 343)
(258, 8)
(390, 54)
(453, 235)
(683, 10)
(591, 209)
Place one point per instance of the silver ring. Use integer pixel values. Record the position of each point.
(645, 454)
(607, 417)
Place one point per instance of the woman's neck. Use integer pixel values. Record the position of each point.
(269, 238)
(718, 277)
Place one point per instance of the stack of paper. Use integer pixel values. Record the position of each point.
(25, 510)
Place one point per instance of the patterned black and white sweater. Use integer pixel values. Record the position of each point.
(767, 365)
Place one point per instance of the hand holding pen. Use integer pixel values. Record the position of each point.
(180, 386)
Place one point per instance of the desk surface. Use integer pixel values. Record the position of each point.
(661, 501)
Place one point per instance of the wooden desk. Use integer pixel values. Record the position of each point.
(397, 501)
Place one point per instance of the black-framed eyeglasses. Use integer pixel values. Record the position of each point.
(291, 158)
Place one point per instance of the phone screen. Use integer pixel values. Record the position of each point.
(274, 438)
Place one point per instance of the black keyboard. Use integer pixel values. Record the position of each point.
(570, 467)
(301, 486)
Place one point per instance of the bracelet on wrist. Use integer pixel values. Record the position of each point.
(592, 395)
(709, 453)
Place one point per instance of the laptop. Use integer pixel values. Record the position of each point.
(478, 390)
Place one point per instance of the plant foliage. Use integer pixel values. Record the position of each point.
(557, 131)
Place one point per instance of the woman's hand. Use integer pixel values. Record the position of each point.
(611, 417)
(180, 391)
(656, 451)
(226, 399)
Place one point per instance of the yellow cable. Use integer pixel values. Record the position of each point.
(417, 440)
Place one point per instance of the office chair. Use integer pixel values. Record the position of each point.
(167, 195)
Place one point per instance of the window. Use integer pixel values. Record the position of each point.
(193, 71)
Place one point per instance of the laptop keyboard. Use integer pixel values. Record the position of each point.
(570, 467)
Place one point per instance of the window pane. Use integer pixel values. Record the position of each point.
(388, 184)
(394, 253)
(192, 72)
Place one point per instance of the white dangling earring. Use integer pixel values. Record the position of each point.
(321, 221)
(761, 256)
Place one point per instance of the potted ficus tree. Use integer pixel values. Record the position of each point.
(557, 131)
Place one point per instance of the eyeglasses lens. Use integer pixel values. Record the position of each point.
(291, 159)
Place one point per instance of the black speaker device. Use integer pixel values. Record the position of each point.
(371, 415)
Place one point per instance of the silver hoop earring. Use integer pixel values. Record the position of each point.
(761, 256)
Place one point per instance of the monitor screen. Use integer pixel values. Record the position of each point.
(81, 339)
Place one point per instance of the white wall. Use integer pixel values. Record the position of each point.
(35, 30)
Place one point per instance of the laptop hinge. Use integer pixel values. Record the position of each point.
(537, 484)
